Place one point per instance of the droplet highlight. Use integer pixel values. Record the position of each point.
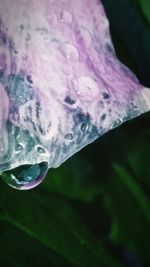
(26, 176)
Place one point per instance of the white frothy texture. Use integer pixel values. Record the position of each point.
(60, 79)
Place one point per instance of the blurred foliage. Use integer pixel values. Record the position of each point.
(95, 209)
(145, 6)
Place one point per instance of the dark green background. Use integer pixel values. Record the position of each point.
(93, 211)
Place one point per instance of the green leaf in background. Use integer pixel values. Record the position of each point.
(145, 5)
(129, 207)
(126, 191)
(132, 31)
(31, 222)
(73, 179)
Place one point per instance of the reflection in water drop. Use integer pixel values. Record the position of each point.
(26, 176)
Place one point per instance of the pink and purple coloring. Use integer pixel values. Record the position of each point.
(61, 84)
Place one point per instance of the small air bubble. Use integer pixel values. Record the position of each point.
(134, 106)
(69, 100)
(84, 127)
(106, 95)
(29, 79)
(19, 147)
(69, 136)
(103, 117)
(40, 150)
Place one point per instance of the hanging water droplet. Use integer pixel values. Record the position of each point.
(26, 176)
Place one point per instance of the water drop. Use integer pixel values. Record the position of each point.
(106, 95)
(69, 136)
(29, 79)
(18, 148)
(103, 117)
(69, 100)
(40, 150)
(84, 127)
(26, 176)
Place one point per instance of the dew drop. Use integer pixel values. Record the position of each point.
(40, 150)
(26, 176)
(29, 79)
(69, 100)
(18, 148)
(103, 117)
(69, 136)
(106, 95)
(84, 127)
